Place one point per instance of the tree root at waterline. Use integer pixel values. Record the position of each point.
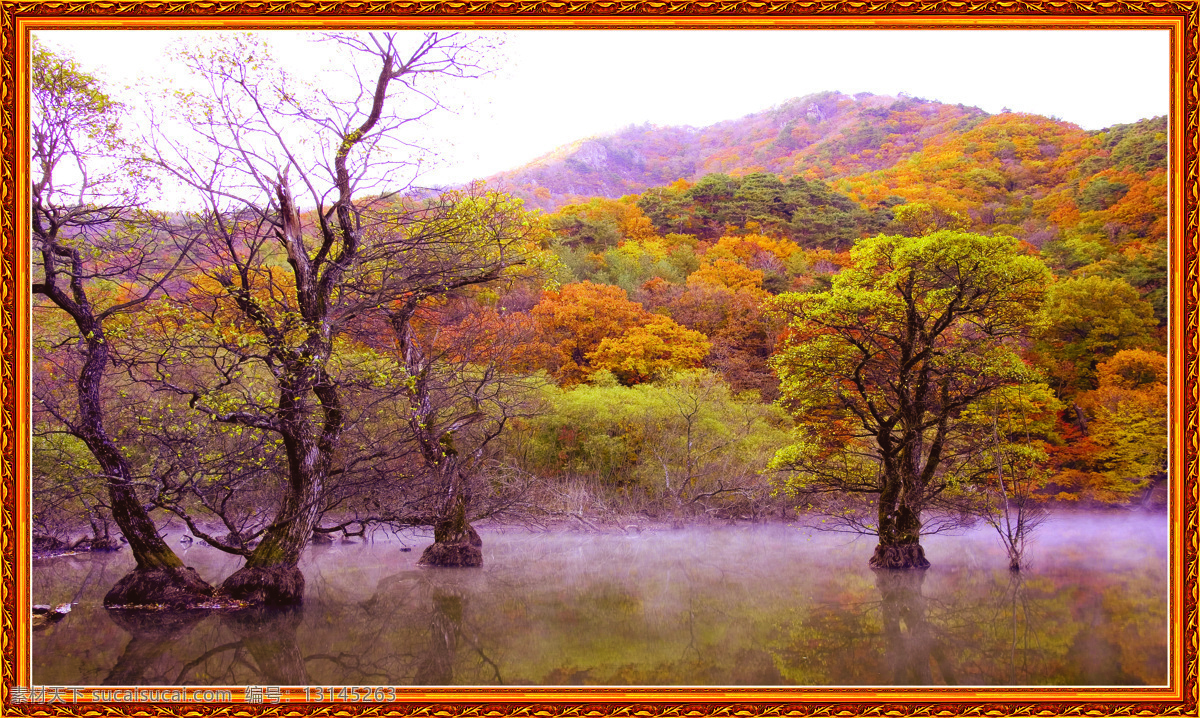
(461, 551)
(178, 588)
(266, 585)
(908, 555)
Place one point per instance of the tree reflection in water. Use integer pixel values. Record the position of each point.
(266, 651)
(912, 647)
(437, 668)
(268, 634)
(1021, 632)
(151, 633)
(755, 606)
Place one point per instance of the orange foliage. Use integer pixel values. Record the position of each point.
(749, 247)
(742, 336)
(647, 351)
(1125, 420)
(575, 323)
(272, 291)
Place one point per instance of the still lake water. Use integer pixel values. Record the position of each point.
(736, 605)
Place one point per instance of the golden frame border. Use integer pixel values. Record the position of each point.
(1180, 17)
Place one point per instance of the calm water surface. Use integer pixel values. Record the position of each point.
(738, 605)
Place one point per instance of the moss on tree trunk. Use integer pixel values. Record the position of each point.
(270, 576)
(899, 538)
(456, 543)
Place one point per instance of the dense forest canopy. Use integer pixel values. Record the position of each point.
(866, 307)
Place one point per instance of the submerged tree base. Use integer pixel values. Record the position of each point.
(266, 586)
(909, 555)
(157, 588)
(466, 551)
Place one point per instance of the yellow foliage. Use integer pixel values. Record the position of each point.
(272, 292)
(1133, 369)
(1127, 426)
(652, 247)
(647, 351)
(726, 273)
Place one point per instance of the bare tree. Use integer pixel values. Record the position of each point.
(97, 259)
(710, 446)
(289, 284)
(1012, 464)
(460, 399)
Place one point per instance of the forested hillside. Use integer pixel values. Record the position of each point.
(690, 272)
(1082, 198)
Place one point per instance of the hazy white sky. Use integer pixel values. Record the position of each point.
(557, 86)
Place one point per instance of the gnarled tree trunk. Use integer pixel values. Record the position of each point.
(270, 575)
(455, 542)
(899, 531)
(160, 578)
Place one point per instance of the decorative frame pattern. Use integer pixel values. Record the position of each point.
(1181, 17)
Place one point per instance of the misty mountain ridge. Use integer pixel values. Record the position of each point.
(826, 136)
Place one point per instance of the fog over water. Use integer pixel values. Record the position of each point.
(761, 604)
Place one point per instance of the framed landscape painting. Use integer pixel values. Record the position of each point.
(531, 357)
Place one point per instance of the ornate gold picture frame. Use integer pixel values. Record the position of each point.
(1180, 19)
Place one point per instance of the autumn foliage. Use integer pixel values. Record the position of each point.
(585, 328)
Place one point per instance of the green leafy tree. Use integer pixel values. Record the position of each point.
(1100, 193)
(808, 212)
(1141, 146)
(1090, 319)
(708, 445)
(878, 371)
